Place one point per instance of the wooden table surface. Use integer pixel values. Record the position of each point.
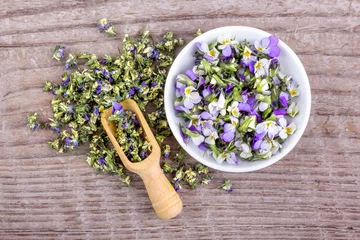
(314, 193)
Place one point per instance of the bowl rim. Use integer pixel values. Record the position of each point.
(265, 162)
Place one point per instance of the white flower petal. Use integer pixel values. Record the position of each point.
(198, 140)
(210, 140)
(263, 106)
(188, 103)
(282, 122)
(221, 101)
(291, 127)
(220, 159)
(283, 135)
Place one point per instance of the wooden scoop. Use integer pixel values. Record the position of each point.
(165, 200)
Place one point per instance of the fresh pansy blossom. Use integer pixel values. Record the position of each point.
(210, 55)
(265, 148)
(245, 151)
(233, 109)
(209, 132)
(293, 88)
(218, 106)
(178, 106)
(275, 146)
(229, 130)
(191, 97)
(195, 122)
(245, 97)
(229, 157)
(261, 67)
(268, 46)
(292, 110)
(191, 74)
(269, 127)
(226, 41)
(283, 99)
(285, 128)
(248, 59)
(179, 89)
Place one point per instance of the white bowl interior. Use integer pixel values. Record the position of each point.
(290, 65)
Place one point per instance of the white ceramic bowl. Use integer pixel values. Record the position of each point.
(290, 65)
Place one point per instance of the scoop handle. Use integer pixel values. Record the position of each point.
(165, 200)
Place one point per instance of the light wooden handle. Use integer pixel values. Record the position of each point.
(165, 200)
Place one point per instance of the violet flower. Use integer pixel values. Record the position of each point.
(283, 99)
(262, 67)
(191, 74)
(229, 157)
(268, 46)
(269, 127)
(211, 55)
(286, 129)
(191, 97)
(248, 60)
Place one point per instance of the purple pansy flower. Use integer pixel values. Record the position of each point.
(210, 55)
(229, 157)
(279, 112)
(283, 99)
(229, 88)
(191, 74)
(191, 97)
(268, 46)
(269, 127)
(248, 59)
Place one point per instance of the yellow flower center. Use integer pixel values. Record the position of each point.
(223, 155)
(225, 41)
(194, 121)
(247, 53)
(212, 53)
(233, 124)
(234, 111)
(288, 130)
(257, 65)
(292, 92)
(187, 91)
(260, 49)
(268, 124)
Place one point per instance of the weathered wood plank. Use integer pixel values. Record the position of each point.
(313, 193)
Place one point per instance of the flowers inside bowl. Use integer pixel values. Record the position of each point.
(235, 103)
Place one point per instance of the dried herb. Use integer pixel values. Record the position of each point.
(129, 134)
(139, 72)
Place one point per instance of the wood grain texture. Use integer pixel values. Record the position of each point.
(314, 193)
